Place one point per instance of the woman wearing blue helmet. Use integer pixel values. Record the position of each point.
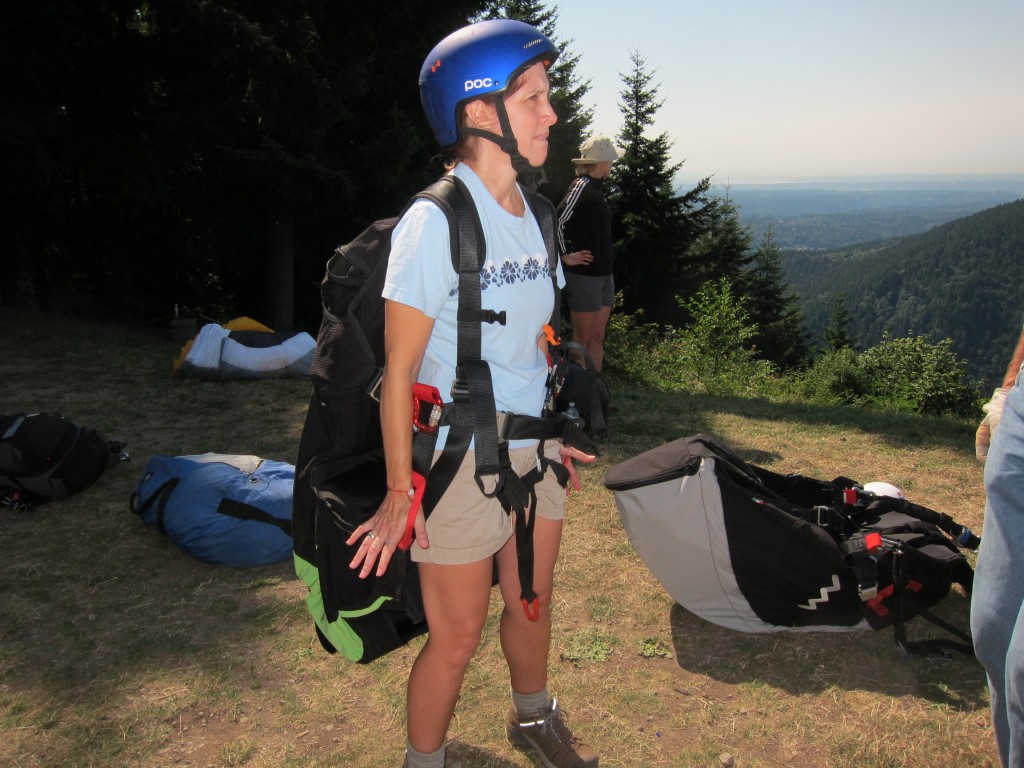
(485, 93)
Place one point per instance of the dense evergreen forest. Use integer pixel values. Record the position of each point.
(158, 152)
(162, 153)
(961, 280)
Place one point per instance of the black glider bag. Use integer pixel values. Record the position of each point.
(585, 388)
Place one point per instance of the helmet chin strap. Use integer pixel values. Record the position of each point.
(506, 140)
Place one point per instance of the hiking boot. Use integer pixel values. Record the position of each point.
(551, 739)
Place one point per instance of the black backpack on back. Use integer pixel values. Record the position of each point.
(340, 472)
(43, 456)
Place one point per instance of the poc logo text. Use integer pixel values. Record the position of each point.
(485, 82)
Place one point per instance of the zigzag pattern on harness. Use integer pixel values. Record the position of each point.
(812, 604)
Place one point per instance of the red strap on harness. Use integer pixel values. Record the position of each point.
(876, 604)
(532, 608)
(419, 484)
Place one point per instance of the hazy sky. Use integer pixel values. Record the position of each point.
(781, 89)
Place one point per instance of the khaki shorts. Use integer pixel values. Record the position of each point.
(466, 526)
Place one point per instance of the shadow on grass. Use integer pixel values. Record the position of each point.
(462, 755)
(646, 419)
(809, 663)
(99, 608)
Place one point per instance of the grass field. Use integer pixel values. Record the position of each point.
(117, 649)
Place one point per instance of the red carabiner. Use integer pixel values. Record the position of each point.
(426, 400)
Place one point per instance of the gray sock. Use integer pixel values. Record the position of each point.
(531, 706)
(414, 759)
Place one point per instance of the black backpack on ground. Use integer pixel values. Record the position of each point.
(757, 551)
(43, 456)
(341, 476)
(584, 388)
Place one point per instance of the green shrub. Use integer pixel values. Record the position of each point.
(631, 348)
(836, 377)
(912, 374)
(916, 374)
(707, 355)
(713, 347)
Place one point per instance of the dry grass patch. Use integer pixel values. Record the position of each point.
(116, 649)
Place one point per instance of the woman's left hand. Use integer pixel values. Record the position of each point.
(567, 453)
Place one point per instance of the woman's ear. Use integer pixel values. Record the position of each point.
(481, 114)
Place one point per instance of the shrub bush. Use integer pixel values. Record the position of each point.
(707, 355)
(836, 377)
(914, 373)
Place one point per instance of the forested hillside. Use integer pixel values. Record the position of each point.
(961, 280)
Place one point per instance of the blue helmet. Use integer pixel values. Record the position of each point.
(474, 61)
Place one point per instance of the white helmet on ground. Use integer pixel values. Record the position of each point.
(884, 489)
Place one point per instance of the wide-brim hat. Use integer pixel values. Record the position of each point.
(598, 149)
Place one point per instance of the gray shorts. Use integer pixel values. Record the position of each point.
(466, 526)
(589, 294)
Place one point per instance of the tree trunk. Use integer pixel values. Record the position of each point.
(279, 289)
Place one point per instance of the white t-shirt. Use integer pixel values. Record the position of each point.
(514, 279)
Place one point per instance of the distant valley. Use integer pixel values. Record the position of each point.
(816, 216)
(960, 276)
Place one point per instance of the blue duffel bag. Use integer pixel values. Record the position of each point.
(222, 509)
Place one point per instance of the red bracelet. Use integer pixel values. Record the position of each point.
(404, 491)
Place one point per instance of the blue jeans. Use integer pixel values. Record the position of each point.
(997, 602)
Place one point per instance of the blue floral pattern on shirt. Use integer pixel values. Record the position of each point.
(510, 272)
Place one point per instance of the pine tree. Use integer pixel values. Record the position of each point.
(781, 336)
(721, 249)
(655, 225)
(716, 345)
(219, 139)
(837, 335)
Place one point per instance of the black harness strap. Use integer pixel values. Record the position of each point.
(471, 414)
(544, 213)
(904, 608)
(468, 254)
(159, 497)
